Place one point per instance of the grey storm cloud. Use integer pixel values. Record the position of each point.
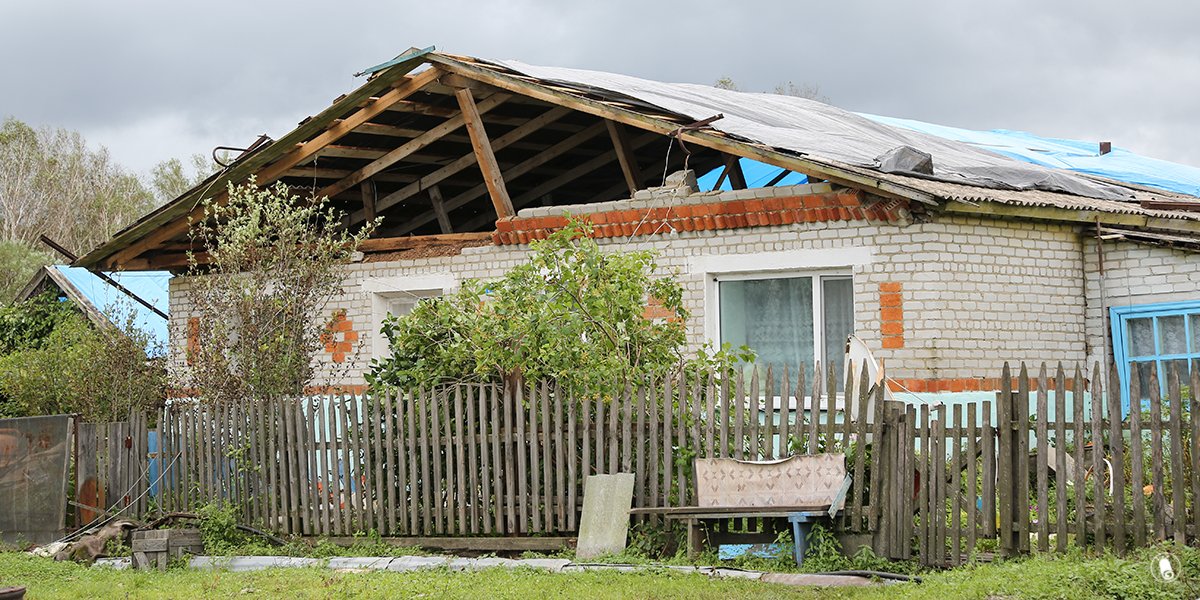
(155, 80)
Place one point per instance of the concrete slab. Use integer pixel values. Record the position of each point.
(809, 579)
(252, 563)
(494, 562)
(414, 563)
(737, 574)
(554, 565)
(604, 526)
(119, 563)
(360, 563)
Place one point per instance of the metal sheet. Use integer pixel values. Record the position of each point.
(34, 456)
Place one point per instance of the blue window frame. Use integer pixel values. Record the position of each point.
(1154, 335)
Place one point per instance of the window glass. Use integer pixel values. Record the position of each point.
(1141, 337)
(837, 304)
(1142, 372)
(1172, 338)
(774, 317)
(1194, 325)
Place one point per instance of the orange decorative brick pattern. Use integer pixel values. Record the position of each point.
(966, 384)
(891, 315)
(193, 340)
(727, 214)
(339, 336)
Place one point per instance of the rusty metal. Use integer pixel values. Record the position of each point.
(34, 458)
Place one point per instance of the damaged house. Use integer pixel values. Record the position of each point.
(945, 258)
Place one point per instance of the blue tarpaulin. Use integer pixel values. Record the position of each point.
(1069, 155)
(151, 286)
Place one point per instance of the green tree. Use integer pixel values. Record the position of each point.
(271, 262)
(53, 183)
(170, 178)
(98, 372)
(573, 314)
(18, 263)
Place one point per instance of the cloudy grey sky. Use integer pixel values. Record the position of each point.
(153, 80)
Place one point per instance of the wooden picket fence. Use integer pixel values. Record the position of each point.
(933, 482)
(112, 468)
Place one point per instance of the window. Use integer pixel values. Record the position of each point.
(1154, 336)
(789, 319)
(398, 296)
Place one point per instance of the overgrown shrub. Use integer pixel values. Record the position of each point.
(269, 264)
(573, 314)
(99, 372)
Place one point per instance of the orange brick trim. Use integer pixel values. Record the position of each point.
(727, 214)
(891, 315)
(339, 336)
(192, 347)
(963, 384)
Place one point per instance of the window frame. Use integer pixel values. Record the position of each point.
(818, 277)
(382, 289)
(1119, 317)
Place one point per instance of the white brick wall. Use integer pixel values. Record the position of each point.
(1134, 274)
(976, 292)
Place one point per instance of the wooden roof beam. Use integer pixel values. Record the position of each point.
(714, 140)
(273, 171)
(439, 209)
(514, 172)
(464, 162)
(625, 157)
(411, 147)
(485, 157)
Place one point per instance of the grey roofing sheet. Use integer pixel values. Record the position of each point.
(826, 132)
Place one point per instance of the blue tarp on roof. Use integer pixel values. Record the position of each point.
(1070, 155)
(151, 286)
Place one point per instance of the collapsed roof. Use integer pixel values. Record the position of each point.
(441, 144)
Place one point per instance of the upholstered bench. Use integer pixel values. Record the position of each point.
(801, 489)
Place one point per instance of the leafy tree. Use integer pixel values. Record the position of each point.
(52, 183)
(18, 263)
(270, 262)
(98, 372)
(804, 90)
(573, 314)
(27, 325)
(169, 179)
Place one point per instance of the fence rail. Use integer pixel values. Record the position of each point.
(1050, 460)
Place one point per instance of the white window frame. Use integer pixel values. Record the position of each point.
(815, 262)
(818, 277)
(382, 289)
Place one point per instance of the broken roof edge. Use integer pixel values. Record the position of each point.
(497, 75)
(247, 165)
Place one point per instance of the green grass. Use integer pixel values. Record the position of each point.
(1040, 577)
(47, 579)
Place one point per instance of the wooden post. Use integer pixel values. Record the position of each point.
(483, 153)
(439, 209)
(625, 157)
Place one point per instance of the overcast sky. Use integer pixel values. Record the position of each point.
(157, 79)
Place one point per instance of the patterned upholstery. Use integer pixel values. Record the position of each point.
(805, 480)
